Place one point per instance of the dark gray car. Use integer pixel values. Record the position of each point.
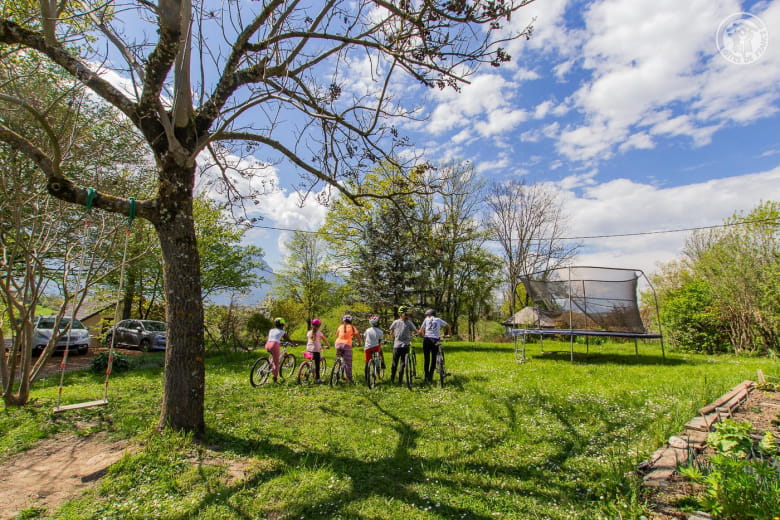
(142, 334)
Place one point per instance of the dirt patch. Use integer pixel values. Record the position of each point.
(77, 362)
(55, 471)
(760, 409)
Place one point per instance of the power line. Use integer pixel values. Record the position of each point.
(586, 237)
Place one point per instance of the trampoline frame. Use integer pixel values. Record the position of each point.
(572, 333)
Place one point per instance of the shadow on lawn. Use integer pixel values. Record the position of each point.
(393, 477)
(597, 358)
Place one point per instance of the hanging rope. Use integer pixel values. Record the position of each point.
(112, 345)
(87, 232)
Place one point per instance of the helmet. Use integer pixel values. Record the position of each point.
(430, 312)
(373, 320)
(279, 322)
(316, 322)
(347, 318)
(403, 309)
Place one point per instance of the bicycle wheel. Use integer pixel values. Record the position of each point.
(413, 363)
(408, 371)
(371, 374)
(335, 372)
(380, 367)
(304, 373)
(288, 365)
(440, 368)
(323, 368)
(260, 371)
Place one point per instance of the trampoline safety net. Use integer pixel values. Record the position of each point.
(587, 298)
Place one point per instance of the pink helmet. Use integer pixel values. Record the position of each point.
(316, 322)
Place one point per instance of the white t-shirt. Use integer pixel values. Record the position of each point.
(314, 341)
(275, 335)
(374, 337)
(432, 327)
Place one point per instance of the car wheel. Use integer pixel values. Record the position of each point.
(145, 345)
(83, 350)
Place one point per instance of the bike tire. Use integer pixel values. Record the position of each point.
(261, 369)
(440, 368)
(408, 371)
(371, 374)
(380, 368)
(323, 368)
(413, 364)
(287, 369)
(304, 373)
(335, 373)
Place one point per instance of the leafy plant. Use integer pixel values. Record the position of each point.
(738, 489)
(121, 362)
(731, 439)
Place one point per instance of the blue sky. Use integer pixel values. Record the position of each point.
(626, 106)
(635, 110)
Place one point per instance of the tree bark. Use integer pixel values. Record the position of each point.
(185, 375)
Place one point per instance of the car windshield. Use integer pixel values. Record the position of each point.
(48, 323)
(156, 326)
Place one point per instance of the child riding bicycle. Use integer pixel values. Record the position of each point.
(314, 340)
(345, 335)
(373, 340)
(401, 330)
(430, 330)
(274, 344)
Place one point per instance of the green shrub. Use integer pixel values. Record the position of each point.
(737, 487)
(121, 362)
(691, 322)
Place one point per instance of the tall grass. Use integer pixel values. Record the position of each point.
(544, 439)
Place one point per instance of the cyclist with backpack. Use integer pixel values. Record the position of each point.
(401, 330)
(345, 335)
(430, 330)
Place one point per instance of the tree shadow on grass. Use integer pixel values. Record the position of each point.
(390, 478)
(597, 358)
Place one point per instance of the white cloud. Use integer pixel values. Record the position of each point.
(648, 59)
(622, 206)
(524, 74)
(485, 102)
(542, 109)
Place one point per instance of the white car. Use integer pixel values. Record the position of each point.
(77, 339)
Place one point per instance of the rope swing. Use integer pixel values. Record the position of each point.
(109, 365)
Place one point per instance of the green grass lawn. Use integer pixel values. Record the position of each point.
(544, 439)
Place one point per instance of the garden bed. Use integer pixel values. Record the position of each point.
(676, 498)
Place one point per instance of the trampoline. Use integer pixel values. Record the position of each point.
(581, 301)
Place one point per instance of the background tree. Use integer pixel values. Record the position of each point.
(266, 73)
(46, 246)
(528, 222)
(305, 276)
(725, 291)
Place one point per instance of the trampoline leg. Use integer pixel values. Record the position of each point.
(571, 348)
(636, 348)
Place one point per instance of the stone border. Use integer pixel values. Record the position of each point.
(685, 447)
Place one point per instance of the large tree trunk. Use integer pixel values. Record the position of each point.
(184, 392)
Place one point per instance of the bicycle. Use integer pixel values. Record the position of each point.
(375, 368)
(306, 369)
(263, 367)
(409, 367)
(439, 367)
(339, 371)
